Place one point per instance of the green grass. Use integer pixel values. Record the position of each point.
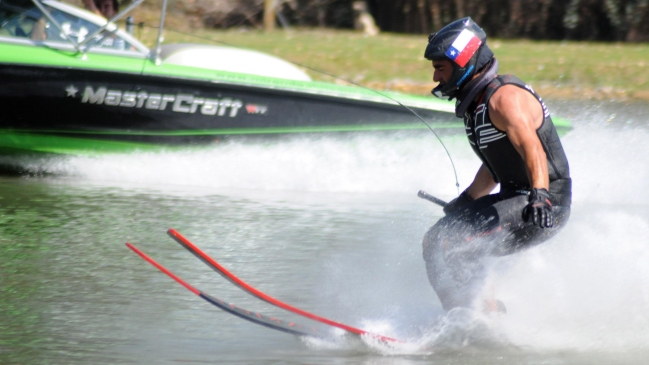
(395, 61)
(579, 69)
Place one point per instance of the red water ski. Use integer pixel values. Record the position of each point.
(270, 322)
(265, 297)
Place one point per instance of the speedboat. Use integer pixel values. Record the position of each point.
(73, 82)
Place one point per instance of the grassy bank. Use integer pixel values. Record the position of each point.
(574, 70)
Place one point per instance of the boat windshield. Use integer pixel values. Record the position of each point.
(32, 24)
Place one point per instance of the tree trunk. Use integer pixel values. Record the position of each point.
(436, 12)
(423, 18)
(515, 18)
(269, 15)
(459, 8)
(637, 22)
(543, 22)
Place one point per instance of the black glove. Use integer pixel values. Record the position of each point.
(539, 209)
(457, 203)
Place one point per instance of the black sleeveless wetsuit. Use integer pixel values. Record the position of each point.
(454, 248)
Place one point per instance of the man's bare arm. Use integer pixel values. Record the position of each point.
(518, 113)
(482, 184)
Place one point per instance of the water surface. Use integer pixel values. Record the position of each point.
(329, 223)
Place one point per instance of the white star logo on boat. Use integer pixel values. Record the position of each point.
(72, 91)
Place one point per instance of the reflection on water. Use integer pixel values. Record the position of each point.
(73, 292)
(330, 224)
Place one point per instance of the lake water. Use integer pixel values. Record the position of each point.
(328, 223)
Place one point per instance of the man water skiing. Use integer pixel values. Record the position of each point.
(510, 130)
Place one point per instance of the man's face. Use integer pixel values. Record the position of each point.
(443, 71)
(107, 9)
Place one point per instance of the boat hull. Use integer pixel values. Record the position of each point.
(85, 107)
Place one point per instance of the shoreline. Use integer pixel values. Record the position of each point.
(390, 61)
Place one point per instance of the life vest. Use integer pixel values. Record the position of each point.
(499, 156)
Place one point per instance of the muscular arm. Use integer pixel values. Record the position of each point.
(482, 184)
(518, 113)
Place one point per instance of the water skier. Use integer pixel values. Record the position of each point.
(510, 130)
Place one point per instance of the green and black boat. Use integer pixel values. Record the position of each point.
(72, 82)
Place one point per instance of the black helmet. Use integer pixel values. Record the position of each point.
(464, 43)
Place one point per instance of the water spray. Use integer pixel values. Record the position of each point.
(427, 196)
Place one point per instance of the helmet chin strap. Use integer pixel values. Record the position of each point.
(439, 94)
(471, 90)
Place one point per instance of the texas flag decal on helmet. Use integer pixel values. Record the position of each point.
(464, 47)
